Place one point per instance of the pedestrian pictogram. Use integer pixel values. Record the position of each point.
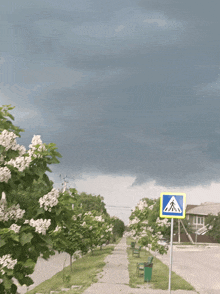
(173, 206)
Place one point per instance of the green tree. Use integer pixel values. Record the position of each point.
(213, 223)
(89, 202)
(118, 226)
(147, 227)
(25, 233)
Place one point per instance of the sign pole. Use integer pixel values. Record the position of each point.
(171, 255)
(172, 205)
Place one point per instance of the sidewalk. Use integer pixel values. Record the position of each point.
(115, 277)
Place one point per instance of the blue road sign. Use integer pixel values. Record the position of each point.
(172, 205)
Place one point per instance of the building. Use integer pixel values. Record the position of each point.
(197, 214)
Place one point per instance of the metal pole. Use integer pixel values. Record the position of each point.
(171, 255)
(178, 230)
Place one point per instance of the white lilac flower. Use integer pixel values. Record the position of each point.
(5, 174)
(57, 229)
(88, 213)
(8, 140)
(90, 227)
(7, 261)
(162, 222)
(49, 200)
(151, 207)
(142, 204)
(150, 229)
(40, 225)
(21, 150)
(11, 213)
(145, 222)
(36, 140)
(134, 221)
(83, 224)
(15, 228)
(99, 218)
(20, 162)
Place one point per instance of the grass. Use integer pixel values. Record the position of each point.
(84, 271)
(160, 273)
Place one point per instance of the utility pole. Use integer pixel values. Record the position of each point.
(190, 238)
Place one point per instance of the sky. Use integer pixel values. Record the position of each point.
(129, 91)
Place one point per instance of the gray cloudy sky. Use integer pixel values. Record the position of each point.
(128, 90)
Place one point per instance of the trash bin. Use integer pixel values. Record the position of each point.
(147, 271)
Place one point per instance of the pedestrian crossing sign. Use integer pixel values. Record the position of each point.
(172, 205)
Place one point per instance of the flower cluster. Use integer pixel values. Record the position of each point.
(162, 222)
(49, 200)
(20, 162)
(8, 140)
(159, 235)
(83, 224)
(145, 222)
(5, 174)
(57, 229)
(109, 229)
(36, 140)
(12, 213)
(7, 261)
(40, 225)
(134, 221)
(150, 229)
(15, 228)
(142, 204)
(88, 213)
(99, 218)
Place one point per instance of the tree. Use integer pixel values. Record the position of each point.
(213, 223)
(90, 202)
(118, 226)
(25, 233)
(147, 227)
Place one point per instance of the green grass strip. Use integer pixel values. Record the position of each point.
(84, 271)
(160, 273)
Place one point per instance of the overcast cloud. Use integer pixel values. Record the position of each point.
(124, 88)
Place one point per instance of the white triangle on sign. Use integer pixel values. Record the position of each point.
(172, 206)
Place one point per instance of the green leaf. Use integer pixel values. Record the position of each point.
(15, 237)
(2, 242)
(47, 239)
(25, 238)
(7, 282)
(27, 281)
(29, 263)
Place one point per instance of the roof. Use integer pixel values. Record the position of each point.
(190, 206)
(204, 208)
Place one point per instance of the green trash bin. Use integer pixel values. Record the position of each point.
(148, 271)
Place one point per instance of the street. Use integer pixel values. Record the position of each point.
(200, 266)
(44, 270)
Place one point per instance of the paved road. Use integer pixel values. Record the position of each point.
(200, 266)
(44, 270)
(115, 277)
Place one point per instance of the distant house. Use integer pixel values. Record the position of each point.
(197, 214)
